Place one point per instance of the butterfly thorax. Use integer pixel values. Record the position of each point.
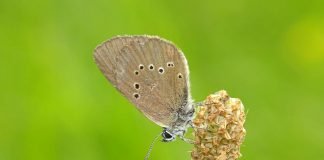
(180, 125)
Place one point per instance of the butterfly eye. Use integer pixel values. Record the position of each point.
(151, 67)
(167, 136)
(161, 70)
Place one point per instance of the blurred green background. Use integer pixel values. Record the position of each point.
(56, 105)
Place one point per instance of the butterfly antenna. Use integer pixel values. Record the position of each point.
(151, 147)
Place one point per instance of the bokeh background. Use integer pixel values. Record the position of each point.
(56, 105)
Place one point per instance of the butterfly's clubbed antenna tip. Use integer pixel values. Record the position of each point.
(219, 130)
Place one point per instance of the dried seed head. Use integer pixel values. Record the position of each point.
(219, 128)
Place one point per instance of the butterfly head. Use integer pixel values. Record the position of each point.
(168, 136)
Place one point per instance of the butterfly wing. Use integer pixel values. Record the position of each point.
(149, 71)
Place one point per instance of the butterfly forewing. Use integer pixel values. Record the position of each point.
(151, 72)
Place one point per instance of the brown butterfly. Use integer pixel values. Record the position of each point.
(153, 74)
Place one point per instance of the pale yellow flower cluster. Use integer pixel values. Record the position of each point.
(219, 129)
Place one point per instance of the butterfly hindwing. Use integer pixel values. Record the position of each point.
(149, 71)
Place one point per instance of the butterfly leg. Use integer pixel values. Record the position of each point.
(187, 140)
(199, 104)
(197, 127)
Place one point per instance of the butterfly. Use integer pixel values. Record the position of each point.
(153, 74)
